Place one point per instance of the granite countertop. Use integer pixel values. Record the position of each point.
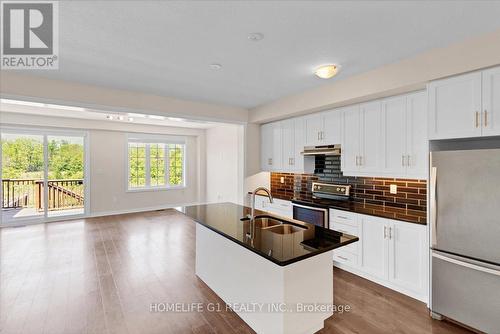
(411, 216)
(307, 240)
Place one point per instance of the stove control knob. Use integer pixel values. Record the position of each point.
(338, 189)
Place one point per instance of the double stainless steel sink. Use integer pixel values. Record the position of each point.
(276, 225)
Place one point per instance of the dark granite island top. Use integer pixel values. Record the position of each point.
(306, 240)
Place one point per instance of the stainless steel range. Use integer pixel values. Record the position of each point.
(315, 213)
(331, 191)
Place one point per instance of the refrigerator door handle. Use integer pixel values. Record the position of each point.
(433, 204)
(467, 264)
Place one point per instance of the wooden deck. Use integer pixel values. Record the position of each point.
(101, 275)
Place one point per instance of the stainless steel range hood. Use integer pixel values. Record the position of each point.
(322, 150)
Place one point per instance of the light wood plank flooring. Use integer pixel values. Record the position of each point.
(101, 275)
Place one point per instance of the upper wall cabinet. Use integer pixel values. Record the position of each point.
(465, 106)
(491, 102)
(293, 144)
(281, 146)
(323, 128)
(404, 122)
(362, 139)
(271, 147)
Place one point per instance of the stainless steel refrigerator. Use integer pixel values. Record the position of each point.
(465, 236)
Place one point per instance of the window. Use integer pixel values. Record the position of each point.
(155, 164)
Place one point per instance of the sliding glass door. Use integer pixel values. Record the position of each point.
(43, 175)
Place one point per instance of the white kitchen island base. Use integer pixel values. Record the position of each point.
(249, 282)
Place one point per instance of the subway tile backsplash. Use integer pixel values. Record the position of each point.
(411, 193)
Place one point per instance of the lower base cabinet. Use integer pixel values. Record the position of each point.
(389, 252)
(278, 207)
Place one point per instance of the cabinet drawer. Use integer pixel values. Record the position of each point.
(344, 217)
(345, 257)
(349, 229)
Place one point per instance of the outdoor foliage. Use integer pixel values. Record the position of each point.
(157, 163)
(22, 158)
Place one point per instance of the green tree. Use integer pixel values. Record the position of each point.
(22, 158)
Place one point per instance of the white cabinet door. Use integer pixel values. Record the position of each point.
(491, 102)
(266, 152)
(371, 156)
(299, 143)
(313, 129)
(375, 247)
(332, 125)
(277, 147)
(288, 139)
(351, 140)
(407, 256)
(455, 107)
(417, 149)
(394, 127)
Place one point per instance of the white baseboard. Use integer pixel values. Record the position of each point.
(36, 221)
(387, 284)
(136, 210)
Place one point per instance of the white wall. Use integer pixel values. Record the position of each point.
(108, 191)
(224, 159)
(107, 148)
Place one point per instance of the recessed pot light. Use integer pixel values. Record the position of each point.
(255, 36)
(120, 118)
(215, 66)
(130, 119)
(109, 117)
(326, 71)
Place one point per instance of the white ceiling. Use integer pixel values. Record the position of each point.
(165, 48)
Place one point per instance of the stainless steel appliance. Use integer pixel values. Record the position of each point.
(317, 214)
(322, 150)
(465, 235)
(331, 191)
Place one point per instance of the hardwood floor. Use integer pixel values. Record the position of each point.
(101, 275)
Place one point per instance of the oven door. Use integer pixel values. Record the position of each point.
(311, 215)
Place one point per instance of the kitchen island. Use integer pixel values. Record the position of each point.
(275, 273)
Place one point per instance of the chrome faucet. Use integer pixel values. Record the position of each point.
(267, 191)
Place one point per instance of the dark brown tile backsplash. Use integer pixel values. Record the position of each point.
(412, 194)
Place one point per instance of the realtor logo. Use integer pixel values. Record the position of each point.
(30, 38)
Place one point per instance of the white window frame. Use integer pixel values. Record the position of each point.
(147, 140)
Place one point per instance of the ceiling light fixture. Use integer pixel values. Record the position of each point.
(255, 36)
(130, 119)
(326, 71)
(109, 117)
(156, 117)
(176, 119)
(215, 66)
(120, 118)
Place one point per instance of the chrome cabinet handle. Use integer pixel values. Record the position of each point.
(408, 160)
(485, 117)
(477, 119)
(385, 232)
(390, 233)
(341, 217)
(318, 135)
(403, 160)
(270, 161)
(357, 164)
(361, 160)
(342, 258)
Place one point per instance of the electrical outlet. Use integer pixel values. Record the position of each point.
(393, 189)
(282, 179)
